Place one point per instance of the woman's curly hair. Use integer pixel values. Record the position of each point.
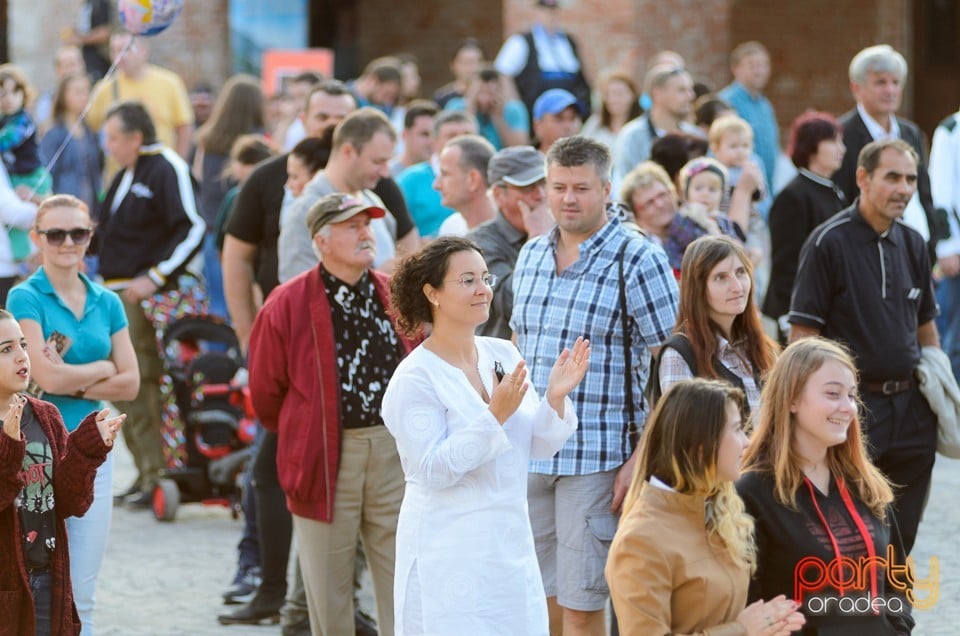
(408, 304)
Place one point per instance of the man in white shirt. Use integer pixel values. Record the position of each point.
(544, 57)
(945, 189)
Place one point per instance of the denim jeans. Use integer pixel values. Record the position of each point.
(249, 547)
(948, 322)
(87, 536)
(213, 276)
(42, 601)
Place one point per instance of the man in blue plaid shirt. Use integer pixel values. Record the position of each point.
(567, 284)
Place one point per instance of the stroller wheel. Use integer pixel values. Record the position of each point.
(166, 500)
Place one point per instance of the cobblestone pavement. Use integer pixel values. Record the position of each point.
(165, 579)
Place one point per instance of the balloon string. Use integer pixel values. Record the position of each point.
(83, 114)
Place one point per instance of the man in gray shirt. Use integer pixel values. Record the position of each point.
(516, 177)
(362, 147)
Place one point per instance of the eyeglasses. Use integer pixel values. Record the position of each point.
(56, 237)
(658, 199)
(469, 280)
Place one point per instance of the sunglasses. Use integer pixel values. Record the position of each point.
(56, 237)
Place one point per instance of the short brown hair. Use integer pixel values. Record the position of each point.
(359, 127)
(746, 49)
(869, 157)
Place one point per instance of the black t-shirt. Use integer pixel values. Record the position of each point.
(93, 14)
(870, 291)
(35, 503)
(368, 349)
(788, 540)
(256, 215)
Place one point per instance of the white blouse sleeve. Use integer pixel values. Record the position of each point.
(432, 454)
(550, 431)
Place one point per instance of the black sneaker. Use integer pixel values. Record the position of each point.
(244, 586)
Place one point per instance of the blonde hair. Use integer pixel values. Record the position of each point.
(772, 448)
(680, 445)
(60, 201)
(726, 125)
(642, 177)
(15, 73)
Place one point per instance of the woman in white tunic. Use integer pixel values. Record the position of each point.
(466, 562)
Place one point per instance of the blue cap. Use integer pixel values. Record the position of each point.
(554, 102)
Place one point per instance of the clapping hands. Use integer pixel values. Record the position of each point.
(567, 373)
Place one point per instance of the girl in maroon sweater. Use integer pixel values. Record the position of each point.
(46, 475)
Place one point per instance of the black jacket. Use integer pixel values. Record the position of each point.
(149, 223)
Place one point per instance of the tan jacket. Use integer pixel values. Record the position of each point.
(667, 576)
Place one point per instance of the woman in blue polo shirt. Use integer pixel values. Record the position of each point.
(79, 343)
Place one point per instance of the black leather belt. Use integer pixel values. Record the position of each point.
(889, 387)
(39, 570)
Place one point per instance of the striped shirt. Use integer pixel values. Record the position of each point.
(550, 310)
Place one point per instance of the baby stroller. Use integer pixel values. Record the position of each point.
(208, 425)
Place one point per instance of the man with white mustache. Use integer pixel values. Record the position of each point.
(864, 279)
(322, 350)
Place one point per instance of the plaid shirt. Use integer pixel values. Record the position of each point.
(673, 369)
(550, 310)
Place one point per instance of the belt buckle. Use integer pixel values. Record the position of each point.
(891, 387)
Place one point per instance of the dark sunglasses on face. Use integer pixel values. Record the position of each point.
(56, 237)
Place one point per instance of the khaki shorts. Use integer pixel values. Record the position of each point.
(572, 529)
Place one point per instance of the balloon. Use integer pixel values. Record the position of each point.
(148, 17)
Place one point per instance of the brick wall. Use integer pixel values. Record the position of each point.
(430, 29)
(623, 34)
(196, 45)
(811, 57)
(811, 43)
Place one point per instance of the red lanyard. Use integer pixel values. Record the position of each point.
(861, 527)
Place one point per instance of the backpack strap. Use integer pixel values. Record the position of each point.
(679, 343)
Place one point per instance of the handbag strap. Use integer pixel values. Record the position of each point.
(632, 429)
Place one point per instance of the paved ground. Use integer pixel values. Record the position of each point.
(165, 579)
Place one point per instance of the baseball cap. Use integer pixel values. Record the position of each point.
(517, 165)
(553, 102)
(337, 208)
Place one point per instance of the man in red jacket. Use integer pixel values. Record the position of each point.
(322, 350)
